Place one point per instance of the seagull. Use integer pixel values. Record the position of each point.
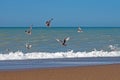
(28, 46)
(49, 22)
(79, 30)
(63, 42)
(29, 31)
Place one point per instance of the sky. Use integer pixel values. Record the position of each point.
(68, 13)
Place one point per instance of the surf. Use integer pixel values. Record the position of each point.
(19, 55)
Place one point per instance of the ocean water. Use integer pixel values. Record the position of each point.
(93, 46)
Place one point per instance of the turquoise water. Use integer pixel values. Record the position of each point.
(92, 42)
(44, 39)
(93, 46)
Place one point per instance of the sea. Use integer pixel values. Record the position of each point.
(92, 46)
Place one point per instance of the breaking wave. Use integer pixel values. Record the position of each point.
(19, 55)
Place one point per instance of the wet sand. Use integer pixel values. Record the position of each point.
(101, 72)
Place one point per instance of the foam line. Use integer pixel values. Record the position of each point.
(19, 55)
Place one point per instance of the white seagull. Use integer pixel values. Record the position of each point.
(28, 46)
(79, 30)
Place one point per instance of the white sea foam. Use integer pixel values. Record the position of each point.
(114, 47)
(69, 54)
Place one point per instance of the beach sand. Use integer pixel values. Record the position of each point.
(101, 72)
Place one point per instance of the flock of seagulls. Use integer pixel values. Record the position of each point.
(48, 23)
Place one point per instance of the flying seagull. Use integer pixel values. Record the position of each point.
(48, 22)
(63, 42)
(28, 46)
(29, 31)
(79, 30)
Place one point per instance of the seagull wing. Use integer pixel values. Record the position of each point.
(79, 28)
(66, 39)
(59, 40)
(28, 45)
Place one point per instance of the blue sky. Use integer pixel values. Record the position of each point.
(69, 13)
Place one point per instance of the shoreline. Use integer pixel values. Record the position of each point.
(96, 72)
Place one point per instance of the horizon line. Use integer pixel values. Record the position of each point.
(58, 26)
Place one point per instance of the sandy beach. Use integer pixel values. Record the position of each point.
(102, 72)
